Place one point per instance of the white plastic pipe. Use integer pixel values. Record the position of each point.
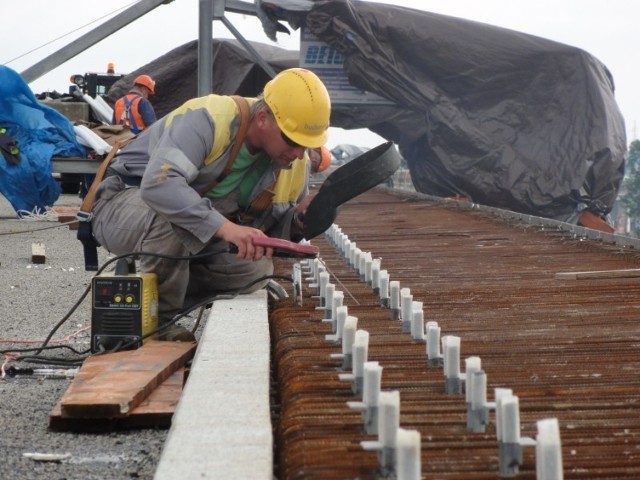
(102, 113)
(341, 316)
(471, 365)
(548, 450)
(337, 234)
(394, 287)
(375, 273)
(360, 352)
(338, 299)
(349, 334)
(346, 251)
(499, 394)
(372, 382)
(408, 464)
(406, 305)
(104, 106)
(479, 390)
(417, 321)
(389, 418)
(91, 139)
(433, 340)
(355, 253)
(362, 264)
(323, 282)
(451, 350)
(368, 267)
(297, 275)
(384, 285)
(510, 419)
(328, 298)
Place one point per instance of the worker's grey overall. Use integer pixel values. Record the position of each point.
(123, 223)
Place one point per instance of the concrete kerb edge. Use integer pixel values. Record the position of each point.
(241, 321)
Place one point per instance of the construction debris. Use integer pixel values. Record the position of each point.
(38, 254)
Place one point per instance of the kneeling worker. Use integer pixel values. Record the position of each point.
(180, 188)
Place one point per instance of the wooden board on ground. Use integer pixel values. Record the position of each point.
(624, 273)
(113, 384)
(155, 411)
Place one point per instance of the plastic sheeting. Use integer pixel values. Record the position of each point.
(41, 133)
(235, 71)
(506, 119)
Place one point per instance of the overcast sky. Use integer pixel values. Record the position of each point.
(33, 29)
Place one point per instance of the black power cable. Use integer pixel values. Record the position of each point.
(36, 358)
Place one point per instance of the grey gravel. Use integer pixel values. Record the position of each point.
(33, 299)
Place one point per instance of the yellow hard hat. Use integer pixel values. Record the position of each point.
(301, 105)
(146, 81)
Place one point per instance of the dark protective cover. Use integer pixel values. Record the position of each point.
(350, 180)
(507, 119)
(235, 71)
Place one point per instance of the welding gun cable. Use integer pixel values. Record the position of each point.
(49, 347)
(60, 362)
(88, 289)
(61, 224)
(135, 255)
(64, 319)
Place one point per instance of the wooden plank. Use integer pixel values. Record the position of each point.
(38, 254)
(155, 411)
(112, 385)
(624, 273)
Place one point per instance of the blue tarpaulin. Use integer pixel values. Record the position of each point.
(41, 133)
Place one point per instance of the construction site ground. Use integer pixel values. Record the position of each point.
(223, 415)
(34, 298)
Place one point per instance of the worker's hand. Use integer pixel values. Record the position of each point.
(301, 210)
(242, 237)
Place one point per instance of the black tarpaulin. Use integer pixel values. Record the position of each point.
(507, 119)
(504, 118)
(235, 71)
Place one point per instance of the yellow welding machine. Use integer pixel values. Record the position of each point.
(124, 310)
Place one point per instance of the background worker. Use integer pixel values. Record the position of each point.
(165, 192)
(134, 109)
(319, 158)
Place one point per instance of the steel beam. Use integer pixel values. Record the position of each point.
(90, 38)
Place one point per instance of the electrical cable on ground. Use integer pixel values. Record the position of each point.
(61, 224)
(36, 358)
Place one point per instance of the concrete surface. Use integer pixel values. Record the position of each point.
(222, 427)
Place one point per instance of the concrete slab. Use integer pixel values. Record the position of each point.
(222, 426)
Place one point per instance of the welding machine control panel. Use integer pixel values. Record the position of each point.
(114, 292)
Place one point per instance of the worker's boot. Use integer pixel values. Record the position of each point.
(176, 333)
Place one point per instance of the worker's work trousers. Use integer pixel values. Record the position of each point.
(124, 223)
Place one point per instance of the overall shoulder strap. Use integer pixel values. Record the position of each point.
(84, 215)
(243, 106)
(131, 100)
